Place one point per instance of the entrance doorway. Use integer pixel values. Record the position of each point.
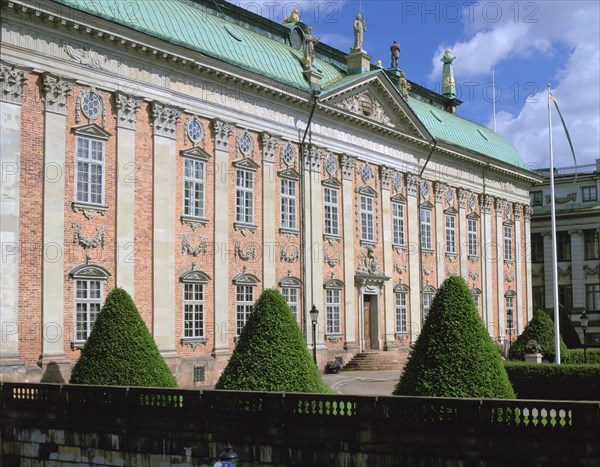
(371, 323)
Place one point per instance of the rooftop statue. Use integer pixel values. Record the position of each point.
(293, 18)
(395, 49)
(360, 26)
(403, 85)
(309, 47)
(448, 85)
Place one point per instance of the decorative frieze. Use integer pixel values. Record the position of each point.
(126, 109)
(89, 212)
(248, 253)
(291, 256)
(570, 198)
(518, 211)
(187, 248)
(348, 163)
(222, 131)
(369, 264)
(564, 272)
(412, 184)
(400, 268)
(89, 243)
(463, 198)
(312, 158)
(473, 202)
(364, 104)
(90, 58)
(56, 90)
(386, 177)
(12, 81)
(488, 204)
(165, 120)
(269, 145)
(591, 271)
(440, 190)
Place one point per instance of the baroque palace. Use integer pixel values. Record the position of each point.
(194, 154)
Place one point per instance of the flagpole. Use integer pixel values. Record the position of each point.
(494, 99)
(554, 258)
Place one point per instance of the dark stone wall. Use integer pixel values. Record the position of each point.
(63, 425)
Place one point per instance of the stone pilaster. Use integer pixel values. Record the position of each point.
(501, 315)
(222, 132)
(528, 212)
(11, 88)
(577, 275)
(463, 247)
(440, 234)
(55, 91)
(519, 299)
(347, 195)
(489, 252)
(126, 109)
(388, 260)
(414, 256)
(164, 204)
(269, 221)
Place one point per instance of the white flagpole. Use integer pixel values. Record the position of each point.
(554, 258)
(494, 98)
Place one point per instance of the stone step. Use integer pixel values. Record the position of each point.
(377, 361)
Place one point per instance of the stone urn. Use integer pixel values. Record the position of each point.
(534, 357)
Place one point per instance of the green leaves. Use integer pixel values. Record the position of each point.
(271, 354)
(541, 330)
(120, 350)
(454, 355)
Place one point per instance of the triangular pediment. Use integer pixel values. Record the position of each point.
(92, 130)
(332, 182)
(367, 191)
(247, 164)
(289, 173)
(451, 210)
(196, 153)
(427, 205)
(399, 198)
(375, 100)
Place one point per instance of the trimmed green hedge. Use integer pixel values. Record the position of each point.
(454, 355)
(271, 354)
(120, 350)
(575, 356)
(554, 382)
(541, 330)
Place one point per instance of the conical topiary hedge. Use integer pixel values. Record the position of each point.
(454, 355)
(271, 354)
(120, 350)
(541, 330)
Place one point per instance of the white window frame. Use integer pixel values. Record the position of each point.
(476, 293)
(509, 305)
(589, 193)
(426, 300)
(472, 240)
(85, 196)
(401, 314)
(333, 311)
(291, 294)
(592, 297)
(398, 223)
(91, 307)
(450, 220)
(508, 242)
(194, 188)
(244, 305)
(289, 193)
(331, 211)
(425, 226)
(244, 196)
(193, 328)
(367, 216)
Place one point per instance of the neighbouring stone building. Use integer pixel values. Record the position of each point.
(194, 154)
(577, 244)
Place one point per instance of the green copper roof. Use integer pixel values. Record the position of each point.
(452, 129)
(186, 24)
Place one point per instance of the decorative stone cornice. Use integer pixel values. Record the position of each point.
(312, 158)
(56, 91)
(440, 189)
(269, 145)
(12, 81)
(412, 184)
(528, 213)
(386, 177)
(222, 131)
(488, 204)
(463, 197)
(348, 163)
(165, 120)
(126, 109)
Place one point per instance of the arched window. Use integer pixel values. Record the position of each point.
(290, 289)
(193, 307)
(244, 299)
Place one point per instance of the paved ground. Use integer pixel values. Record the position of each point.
(363, 383)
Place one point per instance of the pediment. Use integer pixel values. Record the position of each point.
(367, 191)
(92, 130)
(196, 152)
(451, 210)
(247, 164)
(376, 100)
(427, 205)
(332, 182)
(89, 271)
(289, 281)
(289, 173)
(399, 198)
(193, 275)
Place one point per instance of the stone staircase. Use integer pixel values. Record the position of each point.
(377, 361)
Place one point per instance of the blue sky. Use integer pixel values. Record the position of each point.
(528, 44)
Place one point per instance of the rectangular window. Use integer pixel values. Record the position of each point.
(450, 234)
(592, 297)
(398, 223)
(366, 218)
(244, 197)
(508, 243)
(291, 298)
(472, 237)
(288, 204)
(476, 296)
(331, 211)
(565, 297)
(88, 302)
(426, 229)
(510, 312)
(536, 198)
(538, 298)
(591, 242)
(401, 327)
(244, 303)
(333, 311)
(89, 170)
(589, 193)
(537, 248)
(193, 188)
(563, 246)
(193, 310)
(427, 299)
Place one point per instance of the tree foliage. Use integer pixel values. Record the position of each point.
(271, 354)
(120, 350)
(567, 331)
(541, 330)
(454, 356)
